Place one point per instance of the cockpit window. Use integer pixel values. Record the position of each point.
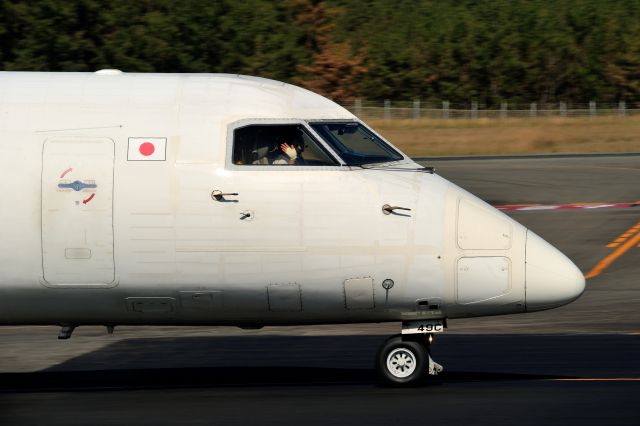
(278, 145)
(355, 143)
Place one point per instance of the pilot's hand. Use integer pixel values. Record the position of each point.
(289, 151)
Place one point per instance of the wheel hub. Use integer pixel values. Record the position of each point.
(401, 362)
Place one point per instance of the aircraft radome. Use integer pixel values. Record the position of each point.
(204, 199)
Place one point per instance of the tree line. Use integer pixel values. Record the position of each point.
(489, 51)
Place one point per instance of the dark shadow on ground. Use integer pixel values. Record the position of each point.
(101, 380)
(306, 360)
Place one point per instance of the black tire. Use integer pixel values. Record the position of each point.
(402, 362)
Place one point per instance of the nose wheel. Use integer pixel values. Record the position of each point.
(403, 361)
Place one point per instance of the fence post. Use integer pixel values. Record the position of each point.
(357, 107)
(622, 108)
(533, 110)
(387, 109)
(592, 108)
(445, 109)
(416, 108)
(563, 109)
(504, 110)
(474, 109)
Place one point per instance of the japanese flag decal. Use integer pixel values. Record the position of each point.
(147, 149)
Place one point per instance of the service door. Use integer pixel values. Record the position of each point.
(77, 212)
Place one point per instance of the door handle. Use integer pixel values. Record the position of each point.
(387, 209)
(218, 195)
(246, 215)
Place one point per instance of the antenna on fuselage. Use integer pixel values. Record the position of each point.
(108, 71)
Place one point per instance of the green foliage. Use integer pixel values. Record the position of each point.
(488, 51)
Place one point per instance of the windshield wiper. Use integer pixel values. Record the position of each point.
(424, 169)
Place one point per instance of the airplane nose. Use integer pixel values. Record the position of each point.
(552, 279)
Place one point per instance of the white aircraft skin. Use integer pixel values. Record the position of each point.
(145, 242)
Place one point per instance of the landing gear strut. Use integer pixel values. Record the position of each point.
(404, 360)
(66, 331)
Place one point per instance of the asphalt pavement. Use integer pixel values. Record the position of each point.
(489, 379)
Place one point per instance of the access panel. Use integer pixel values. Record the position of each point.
(77, 212)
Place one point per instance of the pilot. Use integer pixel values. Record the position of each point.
(288, 150)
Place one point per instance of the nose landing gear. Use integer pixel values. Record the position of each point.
(405, 360)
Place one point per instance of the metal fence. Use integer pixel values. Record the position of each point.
(416, 110)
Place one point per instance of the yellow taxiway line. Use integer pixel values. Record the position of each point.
(600, 379)
(607, 261)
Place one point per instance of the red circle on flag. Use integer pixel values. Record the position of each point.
(147, 148)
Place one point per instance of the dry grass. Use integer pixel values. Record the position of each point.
(512, 136)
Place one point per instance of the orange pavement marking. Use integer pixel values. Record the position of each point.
(622, 238)
(600, 379)
(607, 261)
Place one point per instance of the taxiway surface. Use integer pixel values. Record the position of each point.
(491, 379)
(578, 364)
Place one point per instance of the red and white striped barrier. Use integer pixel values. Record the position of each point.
(528, 207)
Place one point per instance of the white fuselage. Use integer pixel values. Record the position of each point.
(144, 242)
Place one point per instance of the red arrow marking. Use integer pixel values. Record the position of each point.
(88, 199)
(65, 172)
